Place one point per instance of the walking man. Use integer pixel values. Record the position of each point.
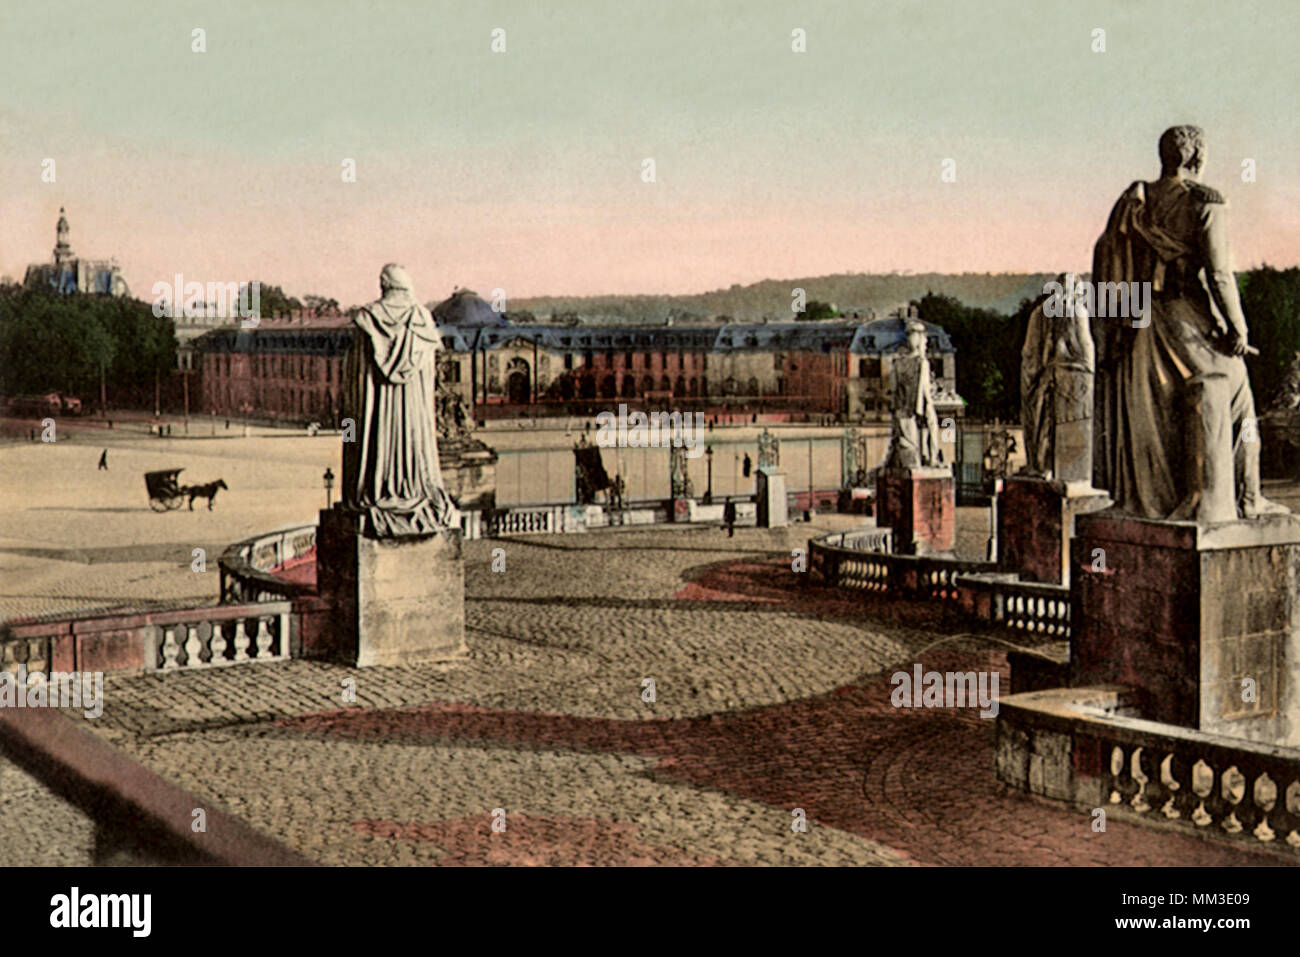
(103, 460)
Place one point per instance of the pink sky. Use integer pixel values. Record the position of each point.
(522, 170)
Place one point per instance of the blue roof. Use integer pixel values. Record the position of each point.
(484, 329)
(888, 335)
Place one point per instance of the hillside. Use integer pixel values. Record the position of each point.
(1001, 292)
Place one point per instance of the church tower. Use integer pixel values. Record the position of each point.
(62, 250)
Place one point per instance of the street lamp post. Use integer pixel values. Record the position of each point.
(329, 485)
(708, 492)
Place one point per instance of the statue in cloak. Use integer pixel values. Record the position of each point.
(1175, 428)
(915, 439)
(391, 472)
(1056, 378)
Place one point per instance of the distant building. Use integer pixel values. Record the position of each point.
(282, 368)
(836, 367)
(292, 369)
(69, 274)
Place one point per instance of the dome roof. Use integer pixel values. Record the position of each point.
(464, 308)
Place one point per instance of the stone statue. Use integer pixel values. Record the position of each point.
(1057, 365)
(914, 442)
(769, 449)
(453, 417)
(680, 481)
(997, 457)
(853, 458)
(391, 471)
(1175, 428)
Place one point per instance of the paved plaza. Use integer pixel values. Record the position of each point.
(769, 696)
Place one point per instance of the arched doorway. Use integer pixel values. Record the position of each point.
(519, 388)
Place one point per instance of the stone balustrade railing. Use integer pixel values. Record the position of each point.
(525, 520)
(215, 637)
(863, 540)
(1028, 607)
(1077, 745)
(924, 576)
(247, 566)
(25, 650)
(156, 641)
(843, 560)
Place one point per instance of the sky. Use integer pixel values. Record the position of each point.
(523, 170)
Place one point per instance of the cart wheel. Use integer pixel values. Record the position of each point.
(175, 501)
(158, 505)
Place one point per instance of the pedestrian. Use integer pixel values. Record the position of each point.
(745, 469)
(227, 423)
(169, 430)
(33, 435)
(729, 518)
(103, 460)
(110, 423)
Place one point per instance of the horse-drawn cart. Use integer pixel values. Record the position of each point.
(164, 493)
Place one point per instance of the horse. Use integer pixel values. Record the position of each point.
(208, 491)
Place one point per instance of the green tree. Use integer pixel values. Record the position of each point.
(1270, 299)
(274, 302)
(48, 341)
(815, 310)
(988, 352)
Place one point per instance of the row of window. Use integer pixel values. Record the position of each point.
(300, 366)
(288, 365)
(685, 360)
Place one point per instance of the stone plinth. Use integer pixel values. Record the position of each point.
(920, 505)
(469, 472)
(395, 601)
(1035, 523)
(1183, 614)
(772, 506)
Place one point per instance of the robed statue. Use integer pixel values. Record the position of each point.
(1057, 364)
(391, 471)
(1176, 432)
(914, 442)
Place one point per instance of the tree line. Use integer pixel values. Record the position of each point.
(50, 341)
(988, 342)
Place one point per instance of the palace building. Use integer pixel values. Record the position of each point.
(501, 367)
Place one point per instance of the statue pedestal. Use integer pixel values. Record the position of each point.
(1183, 614)
(920, 505)
(469, 472)
(395, 601)
(772, 511)
(1035, 523)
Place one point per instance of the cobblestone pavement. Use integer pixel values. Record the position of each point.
(37, 827)
(768, 698)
